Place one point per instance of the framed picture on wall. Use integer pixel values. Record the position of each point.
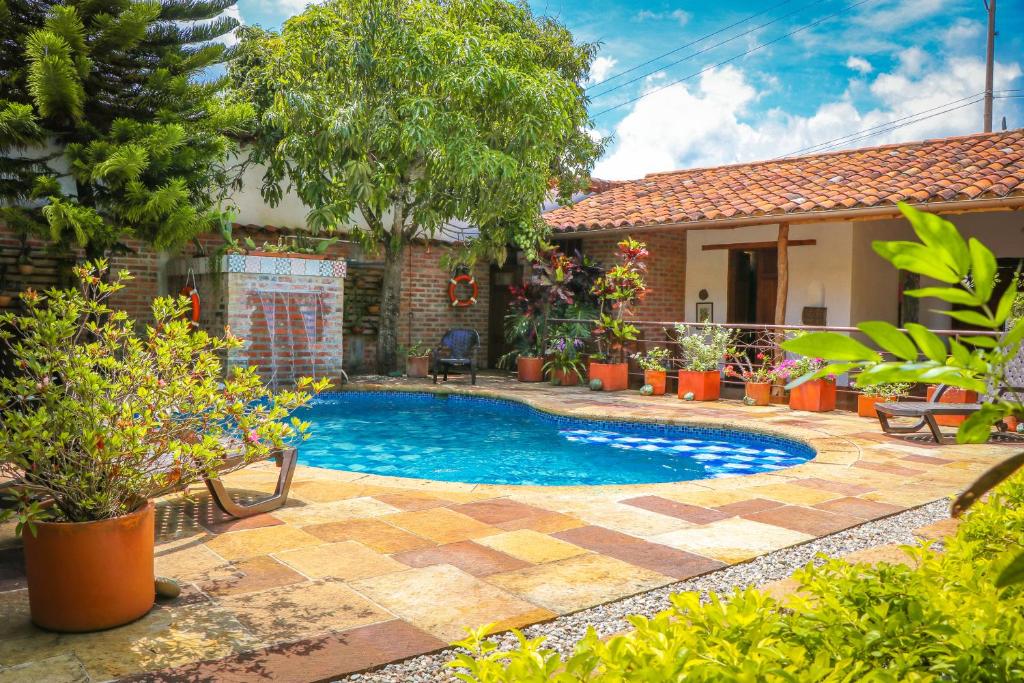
(705, 311)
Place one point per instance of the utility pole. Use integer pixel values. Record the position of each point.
(990, 56)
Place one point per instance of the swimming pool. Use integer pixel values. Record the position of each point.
(480, 440)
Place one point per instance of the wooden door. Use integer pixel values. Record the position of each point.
(767, 273)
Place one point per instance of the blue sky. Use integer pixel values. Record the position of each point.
(897, 69)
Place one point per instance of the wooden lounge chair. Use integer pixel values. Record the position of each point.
(926, 411)
(286, 458)
(458, 349)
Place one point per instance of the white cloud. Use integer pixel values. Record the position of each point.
(287, 7)
(859, 64)
(601, 68)
(679, 16)
(709, 123)
(964, 33)
(897, 14)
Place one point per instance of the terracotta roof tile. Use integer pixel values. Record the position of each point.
(989, 165)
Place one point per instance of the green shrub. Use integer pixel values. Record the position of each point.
(943, 620)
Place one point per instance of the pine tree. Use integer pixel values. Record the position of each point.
(111, 123)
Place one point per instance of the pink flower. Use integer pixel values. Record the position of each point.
(253, 436)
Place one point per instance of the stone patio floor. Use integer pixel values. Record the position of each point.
(359, 570)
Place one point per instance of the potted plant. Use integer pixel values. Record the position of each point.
(24, 261)
(97, 419)
(564, 366)
(417, 360)
(701, 350)
(521, 332)
(618, 290)
(879, 393)
(654, 362)
(5, 298)
(816, 395)
(758, 377)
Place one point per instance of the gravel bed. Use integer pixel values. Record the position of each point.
(562, 633)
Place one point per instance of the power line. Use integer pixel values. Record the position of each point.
(733, 58)
(683, 47)
(835, 142)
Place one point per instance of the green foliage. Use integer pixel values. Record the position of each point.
(654, 358)
(116, 92)
(416, 350)
(414, 113)
(703, 348)
(97, 417)
(891, 390)
(946, 619)
(977, 362)
(618, 290)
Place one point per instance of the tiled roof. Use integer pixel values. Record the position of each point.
(958, 169)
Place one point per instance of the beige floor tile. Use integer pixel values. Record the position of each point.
(793, 493)
(186, 562)
(166, 637)
(532, 546)
(321, 513)
(347, 561)
(459, 601)
(628, 519)
(578, 582)
(441, 525)
(331, 491)
(732, 540)
(240, 545)
(59, 669)
(303, 611)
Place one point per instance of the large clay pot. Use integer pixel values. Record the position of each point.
(89, 576)
(613, 376)
(705, 386)
(866, 404)
(530, 369)
(758, 392)
(565, 378)
(953, 395)
(816, 396)
(417, 366)
(656, 378)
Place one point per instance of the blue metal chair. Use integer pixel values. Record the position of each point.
(458, 349)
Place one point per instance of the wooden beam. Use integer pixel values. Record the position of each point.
(745, 246)
(782, 287)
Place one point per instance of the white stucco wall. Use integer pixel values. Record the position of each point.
(819, 275)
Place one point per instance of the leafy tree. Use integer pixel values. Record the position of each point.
(107, 127)
(412, 113)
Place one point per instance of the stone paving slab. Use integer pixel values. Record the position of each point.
(359, 570)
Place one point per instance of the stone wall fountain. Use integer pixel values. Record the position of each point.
(288, 310)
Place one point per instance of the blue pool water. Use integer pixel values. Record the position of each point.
(481, 440)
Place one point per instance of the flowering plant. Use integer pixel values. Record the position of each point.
(792, 368)
(760, 370)
(618, 290)
(655, 358)
(703, 347)
(97, 418)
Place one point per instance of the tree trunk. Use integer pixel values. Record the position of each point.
(390, 303)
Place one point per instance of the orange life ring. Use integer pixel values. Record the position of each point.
(191, 293)
(453, 285)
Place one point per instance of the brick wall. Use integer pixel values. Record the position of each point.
(426, 311)
(666, 271)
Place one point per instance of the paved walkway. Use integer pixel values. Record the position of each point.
(359, 570)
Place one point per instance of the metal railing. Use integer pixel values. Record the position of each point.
(751, 340)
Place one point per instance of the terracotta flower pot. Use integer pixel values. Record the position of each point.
(656, 378)
(373, 309)
(26, 268)
(705, 386)
(613, 376)
(816, 396)
(953, 395)
(565, 378)
(530, 368)
(1011, 423)
(417, 366)
(5, 300)
(760, 392)
(866, 404)
(89, 576)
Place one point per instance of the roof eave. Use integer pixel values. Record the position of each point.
(1011, 203)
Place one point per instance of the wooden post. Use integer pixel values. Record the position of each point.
(781, 292)
(782, 286)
